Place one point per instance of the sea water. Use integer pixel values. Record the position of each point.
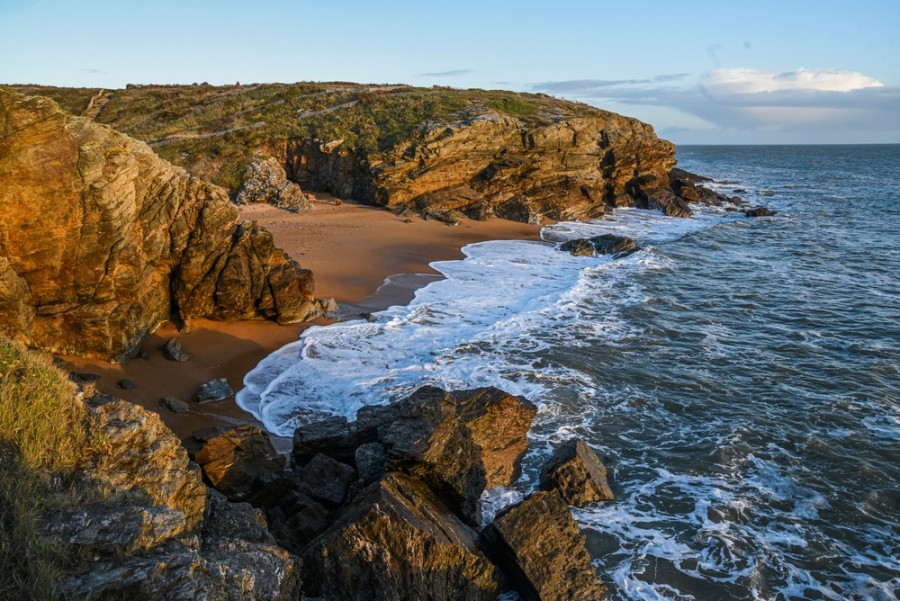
(739, 376)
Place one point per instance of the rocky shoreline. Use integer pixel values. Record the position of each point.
(106, 241)
(386, 507)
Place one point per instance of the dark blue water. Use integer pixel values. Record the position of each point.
(739, 376)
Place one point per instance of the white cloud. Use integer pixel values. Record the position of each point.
(813, 105)
(754, 81)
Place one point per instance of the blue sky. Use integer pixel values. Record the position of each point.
(791, 71)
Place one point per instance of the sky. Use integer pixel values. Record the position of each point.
(740, 72)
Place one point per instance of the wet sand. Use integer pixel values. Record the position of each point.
(351, 249)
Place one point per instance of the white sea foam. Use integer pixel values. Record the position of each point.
(527, 317)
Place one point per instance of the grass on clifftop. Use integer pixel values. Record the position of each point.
(213, 131)
(42, 437)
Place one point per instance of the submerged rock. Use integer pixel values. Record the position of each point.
(760, 211)
(607, 244)
(577, 474)
(539, 546)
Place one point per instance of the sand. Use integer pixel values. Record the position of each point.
(351, 249)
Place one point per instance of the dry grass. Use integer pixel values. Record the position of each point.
(42, 437)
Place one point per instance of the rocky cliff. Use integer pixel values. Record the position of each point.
(436, 150)
(101, 240)
(485, 163)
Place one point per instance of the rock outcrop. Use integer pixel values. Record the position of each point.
(101, 241)
(152, 531)
(232, 461)
(483, 163)
(265, 181)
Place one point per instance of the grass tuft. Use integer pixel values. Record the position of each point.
(42, 438)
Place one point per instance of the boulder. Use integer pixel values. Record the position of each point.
(105, 529)
(577, 474)
(137, 460)
(214, 390)
(458, 443)
(173, 351)
(759, 212)
(607, 244)
(333, 436)
(396, 541)
(266, 182)
(233, 460)
(538, 545)
(370, 459)
(326, 479)
(224, 570)
(174, 405)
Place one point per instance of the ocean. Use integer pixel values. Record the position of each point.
(739, 376)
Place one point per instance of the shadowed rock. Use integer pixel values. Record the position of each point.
(458, 443)
(577, 474)
(233, 460)
(397, 541)
(539, 546)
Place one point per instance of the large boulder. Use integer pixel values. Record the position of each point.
(103, 240)
(539, 546)
(397, 541)
(265, 181)
(233, 460)
(137, 460)
(575, 471)
(458, 443)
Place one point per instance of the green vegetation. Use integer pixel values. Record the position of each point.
(74, 100)
(214, 131)
(42, 437)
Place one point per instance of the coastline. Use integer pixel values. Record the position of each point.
(352, 250)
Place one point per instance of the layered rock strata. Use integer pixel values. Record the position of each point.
(485, 163)
(101, 241)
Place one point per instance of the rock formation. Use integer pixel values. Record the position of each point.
(577, 474)
(151, 530)
(539, 545)
(100, 240)
(486, 163)
(266, 181)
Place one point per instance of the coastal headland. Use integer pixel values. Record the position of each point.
(158, 238)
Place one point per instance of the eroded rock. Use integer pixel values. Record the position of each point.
(577, 474)
(607, 244)
(103, 240)
(233, 460)
(538, 544)
(265, 181)
(396, 541)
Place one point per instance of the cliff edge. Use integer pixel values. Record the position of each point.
(101, 240)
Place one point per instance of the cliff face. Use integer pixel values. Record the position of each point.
(101, 240)
(484, 163)
(484, 152)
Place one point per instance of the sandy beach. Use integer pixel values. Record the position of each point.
(351, 249)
